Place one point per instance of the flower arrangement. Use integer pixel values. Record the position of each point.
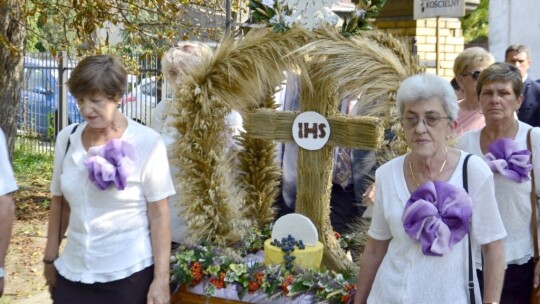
(278, 15)
(270, 13)
(217, 268)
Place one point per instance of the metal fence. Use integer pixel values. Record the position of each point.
(46, 105)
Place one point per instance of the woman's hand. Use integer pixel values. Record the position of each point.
(160, 233)
(159, 292)
(369, 195)
(50, 274)
(536, 278)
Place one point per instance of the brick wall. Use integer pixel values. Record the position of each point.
(450, 43)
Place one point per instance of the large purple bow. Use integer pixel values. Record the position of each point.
(111, 164)
(504, 157)
(437, 215)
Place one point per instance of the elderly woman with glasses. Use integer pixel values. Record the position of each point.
(503, 144)
(425, 224)
(467, 66)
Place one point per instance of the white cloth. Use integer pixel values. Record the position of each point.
(163, 123)
(513, 198)
(406, 275)
(7, 180)
(109, 234)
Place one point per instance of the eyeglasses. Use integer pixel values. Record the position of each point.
(428, 120)
(474, 74)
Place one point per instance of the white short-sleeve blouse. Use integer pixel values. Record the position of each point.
(406, 275)
(108, 233)
(513, 198)
(7, 180)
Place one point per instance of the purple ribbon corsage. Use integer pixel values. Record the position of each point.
(111, 164)
(437, 215)
(504, 157)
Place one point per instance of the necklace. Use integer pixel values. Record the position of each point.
(440, 170)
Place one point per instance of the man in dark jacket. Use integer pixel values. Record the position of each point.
(529, 112)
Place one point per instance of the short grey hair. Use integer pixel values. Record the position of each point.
(184, 56)
(425, 86)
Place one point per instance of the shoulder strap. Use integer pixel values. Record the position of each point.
(534, 200)
(69, 139)
(471, 277)
(60, 237)
(465, 177)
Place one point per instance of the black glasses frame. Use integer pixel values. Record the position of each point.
(474, 75)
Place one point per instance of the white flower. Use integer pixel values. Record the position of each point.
(361, 13)
(274, 20)
(268, 3)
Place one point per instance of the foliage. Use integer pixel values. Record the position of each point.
(26, 163)
(269, 13)
(476, 24)
(79, 25)
(32, 200)
(219, 268)
(362, 17)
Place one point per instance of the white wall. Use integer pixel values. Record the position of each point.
(515, 21)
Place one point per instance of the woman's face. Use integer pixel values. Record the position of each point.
(467, 80)
(498, 101)
(426, 125)
(98, 110)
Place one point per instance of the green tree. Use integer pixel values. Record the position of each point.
(476, 24)
(55, 25)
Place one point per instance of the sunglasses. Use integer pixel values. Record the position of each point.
(474, 74)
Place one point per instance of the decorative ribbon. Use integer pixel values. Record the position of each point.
(111, 164)
(437, 215)
(504, 157)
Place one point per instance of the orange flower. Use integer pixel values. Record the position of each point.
(253, 286)
(348, 287)
(217, 283)
(259, 276)
(286, 282)
(345, 298)
(196, 272)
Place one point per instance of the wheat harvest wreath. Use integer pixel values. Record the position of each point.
(227, 200)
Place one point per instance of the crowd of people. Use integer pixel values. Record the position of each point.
(454, 211)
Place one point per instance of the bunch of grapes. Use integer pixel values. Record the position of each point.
(287, 245)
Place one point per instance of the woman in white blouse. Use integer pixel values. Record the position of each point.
(503, 144)
(109, 190)
(418, 241)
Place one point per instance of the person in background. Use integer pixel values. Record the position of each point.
(107, 191)
(503, 145)
(352, 172)
(175, 63)
(529, 112)
(457, 89)
(467, 68)
(418, 242)
(7, 207)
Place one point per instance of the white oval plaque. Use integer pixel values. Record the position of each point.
(311, 130)
(298, 226)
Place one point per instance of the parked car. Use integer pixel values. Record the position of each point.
(142, 100)
(40, 95)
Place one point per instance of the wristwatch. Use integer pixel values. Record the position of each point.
(2, 272)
